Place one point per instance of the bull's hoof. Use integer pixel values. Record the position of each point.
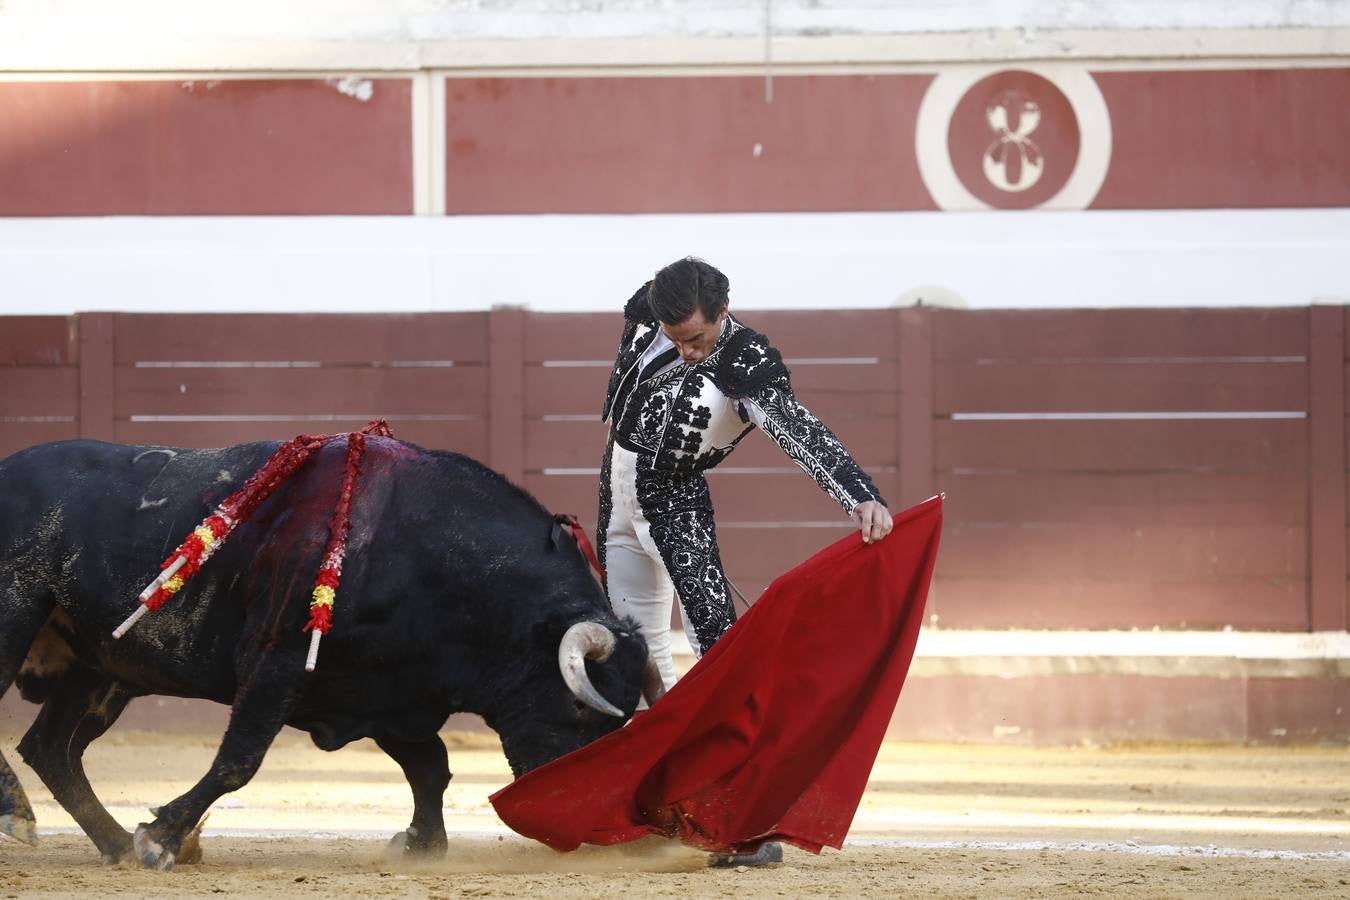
(397, 848)
(768, 854)
(410, 845)
(150, 852)
(19, 827)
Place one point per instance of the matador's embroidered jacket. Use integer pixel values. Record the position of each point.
(690, 417)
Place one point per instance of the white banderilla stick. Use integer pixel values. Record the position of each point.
(313, 659)
(147, 594)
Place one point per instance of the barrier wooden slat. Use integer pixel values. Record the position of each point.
(836, 333)
(788, 497)
(1127, 552)
(571, 391)
(463, 437)
(505, 414)
(1328, 602)
(851, 334)
(866, 439)
(1096, 333)
(573, 336)
(567, 445)
(914, 443)
(16, 436)
(829, 391)
(38, 341)
(39, 391)
(769, 552)
(1057, 601)
(880, 377)
(328, 338)
(377, 392)
(792, 496)
(963, 386)
(595, 336)
(575, 494)
(1113, 446)
(572, 444)
(1276, 498)
(98, 378)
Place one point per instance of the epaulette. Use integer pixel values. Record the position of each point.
(637, 309)
(748, 362)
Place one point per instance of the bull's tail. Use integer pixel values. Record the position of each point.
(21, 618)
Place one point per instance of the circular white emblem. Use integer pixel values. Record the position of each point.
(1013, 137)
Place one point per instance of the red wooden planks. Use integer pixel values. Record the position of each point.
(1276, 497)
(1143, 386)
(38, 341)
(1108, 551)
(16, 436)
(463, 437)
(1095, 334)
(1061, 600)
(378, 392)
(569, 444)
(1117, 446)
(359, 338)
(39, 392)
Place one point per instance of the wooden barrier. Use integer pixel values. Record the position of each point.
(1103, 468)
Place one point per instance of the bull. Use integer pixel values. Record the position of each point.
(457, 595)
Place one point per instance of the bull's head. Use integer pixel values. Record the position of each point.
(591, 640)
(600, 672)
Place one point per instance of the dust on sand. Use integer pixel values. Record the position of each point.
(939, 820)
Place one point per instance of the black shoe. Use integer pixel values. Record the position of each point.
(768, 854)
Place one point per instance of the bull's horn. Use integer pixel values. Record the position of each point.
(583, 641)
(653, 685)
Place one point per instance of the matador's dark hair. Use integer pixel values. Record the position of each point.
(684, 286)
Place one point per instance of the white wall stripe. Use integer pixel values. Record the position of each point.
(436, 161)
(575, 263)
(422, 156)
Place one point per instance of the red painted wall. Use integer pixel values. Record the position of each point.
(229, 147)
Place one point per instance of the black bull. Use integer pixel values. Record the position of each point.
(456, 596)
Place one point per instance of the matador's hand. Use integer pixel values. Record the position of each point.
(873, 520)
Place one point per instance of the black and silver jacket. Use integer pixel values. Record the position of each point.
(690, 417)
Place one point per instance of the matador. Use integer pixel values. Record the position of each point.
(689, 382)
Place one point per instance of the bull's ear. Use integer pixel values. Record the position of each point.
(547, 633)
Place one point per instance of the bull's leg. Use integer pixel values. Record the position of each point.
(270, 683)
(425, 765)
(83, 705)
(21, 619)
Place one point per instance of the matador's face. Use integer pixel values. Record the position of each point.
(695, 336)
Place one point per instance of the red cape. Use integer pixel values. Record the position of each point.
(773, 733)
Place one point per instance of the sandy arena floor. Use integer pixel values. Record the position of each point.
(938, 820)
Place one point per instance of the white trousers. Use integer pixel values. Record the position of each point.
(639, 585)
